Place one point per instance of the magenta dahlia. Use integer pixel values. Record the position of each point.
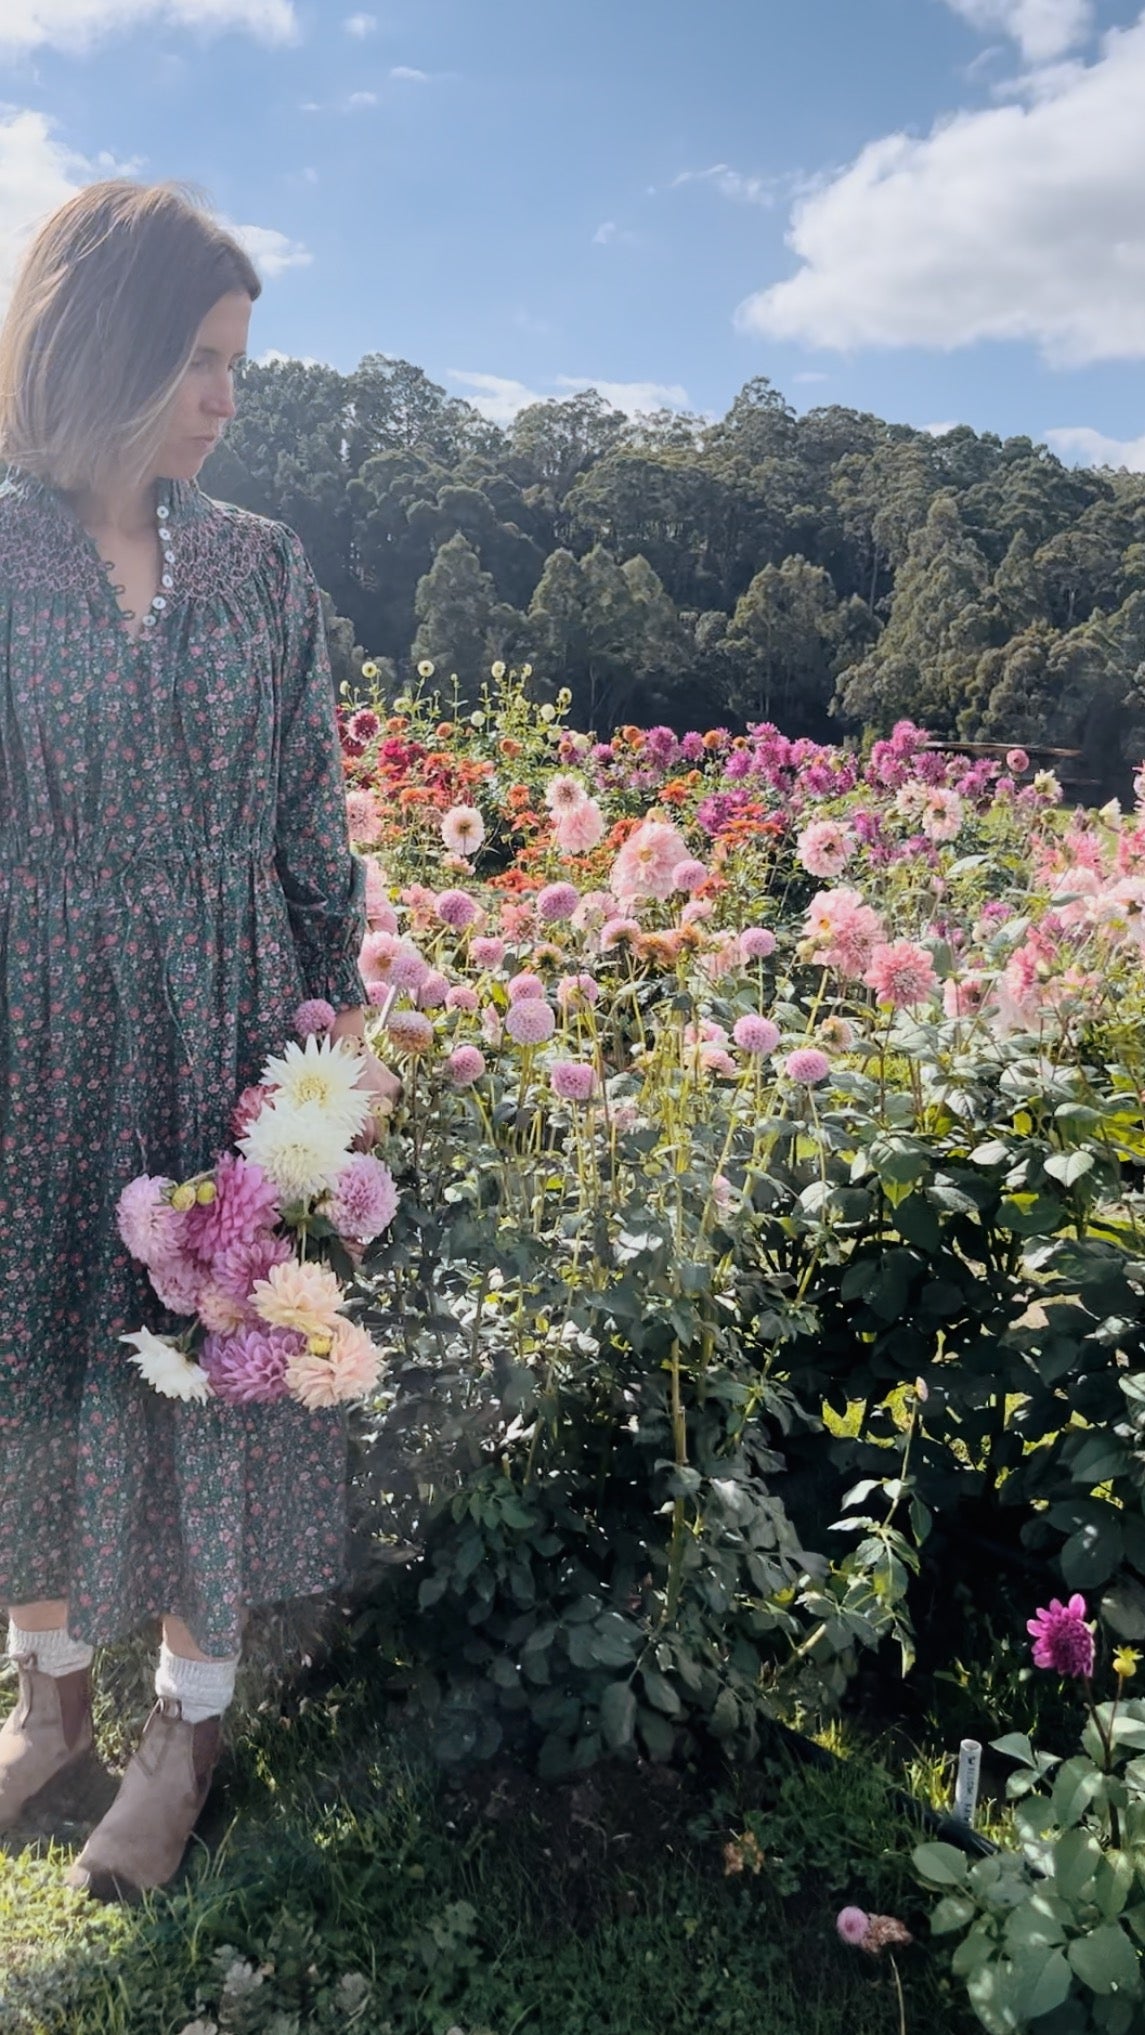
(249, 1369)
(1062, 1639)
(245, 1203)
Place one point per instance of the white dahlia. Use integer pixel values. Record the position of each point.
(301, 1146)
(322, 1073)
(166, 1369)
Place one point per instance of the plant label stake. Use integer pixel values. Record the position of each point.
(969, 1775)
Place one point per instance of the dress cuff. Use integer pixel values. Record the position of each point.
(328, 944)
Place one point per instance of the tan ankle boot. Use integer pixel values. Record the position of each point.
(141, 1840)
(47, 1732)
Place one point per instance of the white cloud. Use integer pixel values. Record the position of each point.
(496, 396)
(730, 184)
(272, 252)
(405, 74)
(629, 396)
(610, 234)
(75, 24)
(1041, 28)
(37, 173)
(358, 100)
(501, 399)
(1019, 222)
(360, 25)
(939, 430)
(274, 357)
(811, 375)
(1078, 445)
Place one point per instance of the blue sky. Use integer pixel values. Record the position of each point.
(927, 208)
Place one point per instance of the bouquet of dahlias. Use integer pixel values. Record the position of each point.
(246, 1249)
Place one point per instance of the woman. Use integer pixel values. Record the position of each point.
(175, 878)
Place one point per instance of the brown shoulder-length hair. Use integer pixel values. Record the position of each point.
(101, 328)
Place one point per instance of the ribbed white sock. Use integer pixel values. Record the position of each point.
(57, 1653)
(203, 1688)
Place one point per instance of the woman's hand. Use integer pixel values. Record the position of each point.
(384, 1090)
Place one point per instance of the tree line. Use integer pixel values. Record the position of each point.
(829, 572)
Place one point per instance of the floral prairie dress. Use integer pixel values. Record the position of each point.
(175, 877)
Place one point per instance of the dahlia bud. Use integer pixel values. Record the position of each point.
(184, 1197)
(205, 1193)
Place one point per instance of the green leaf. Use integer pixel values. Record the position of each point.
(1092, 1554)
(618, 1715)
(1015, 1745)
(941, 1865)
(954, 1911)
(1106, 1961)
(1077, 1782)
(660, 1692)
(1043, 1984)
(1069, 1167)
(1075, 1859)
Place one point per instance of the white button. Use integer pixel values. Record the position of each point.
(167, 579)
(159, 602)
(163, 512)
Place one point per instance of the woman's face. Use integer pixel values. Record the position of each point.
(205, 399)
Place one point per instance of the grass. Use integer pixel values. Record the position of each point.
(346, 1883)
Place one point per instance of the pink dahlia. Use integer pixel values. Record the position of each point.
(377, 951)
(410, 1030)
(1017, 762)
(465, 1066)
(577, 992)
(249, 1367)
(841, 930)
(965, 996)
(755, 1034)
(901, 973)
(618, 932)
(245, 1202)
(153, 1231)
(580, 829)
(486, 952)
(573, 1080)
(648, 861)
(557, 901)
(564, 794)
(249, 1106)
(356, 1362)
(364, 1199)
(364, 817)
(525, 986)
(852, 1925)
(807, 1065)
(238, 1269)
(756, 943)
(463, 830)
(461, 997)
(688, 875)
(314, 1017)
(1062, 1639)
(942, 815)
(455, 908)
(407, 970)
(379, 911)
(434, 991)
(825, 848)
(177, 1281)
(530, 1022)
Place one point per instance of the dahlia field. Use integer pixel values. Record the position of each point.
(765, 1294)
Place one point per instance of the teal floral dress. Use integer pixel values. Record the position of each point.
(175, 877)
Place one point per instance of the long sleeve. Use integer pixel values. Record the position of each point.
(323, 880)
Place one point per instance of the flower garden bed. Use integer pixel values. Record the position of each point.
(765, 1291)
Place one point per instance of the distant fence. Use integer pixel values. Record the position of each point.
(1068, 764)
